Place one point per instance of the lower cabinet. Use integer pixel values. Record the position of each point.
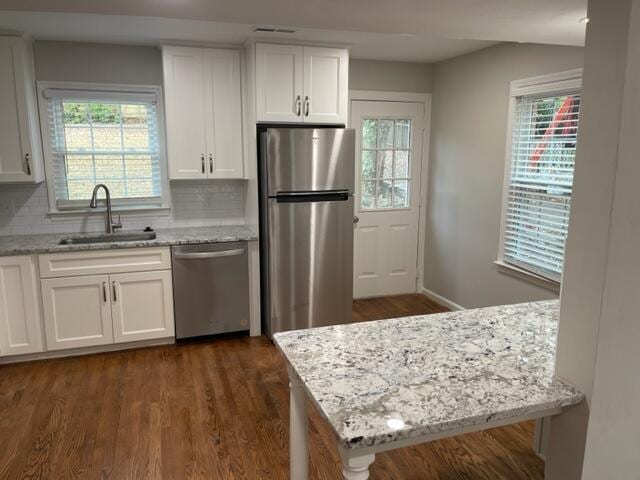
(20, 318)
(92, 310)
(142, 306)
(77, 311)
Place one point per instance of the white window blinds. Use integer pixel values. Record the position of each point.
(103, 137)
(543, 147)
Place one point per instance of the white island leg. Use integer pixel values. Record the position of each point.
(298, 428)
(355, 466)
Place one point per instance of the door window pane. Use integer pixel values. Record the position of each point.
(368, 164)
(403, 130)
(400, 193)
(401, 166)
(368, 194)
(384, 193)
(385, 163)
(369, 133)
(385, 133)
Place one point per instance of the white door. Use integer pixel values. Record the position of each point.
(77, 311)
(325, 85)
(185, 107)
(387, 196)
(223, 113)
(279, 83)
(142, 305)
(20, 318)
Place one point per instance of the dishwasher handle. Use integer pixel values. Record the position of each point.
(218, 254)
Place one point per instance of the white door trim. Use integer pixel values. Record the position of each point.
(409, 97)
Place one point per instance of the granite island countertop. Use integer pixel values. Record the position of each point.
(381, 381)
(50, 243)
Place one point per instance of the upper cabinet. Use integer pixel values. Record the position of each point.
(204, 113)
(20, 144)
(297, 84)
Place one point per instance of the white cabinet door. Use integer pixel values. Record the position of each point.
(326, 83)
(20, 318)
(142, 306)
(77, 311)
(223, 113)
(279, 83)
(185, 107)
(20, 146)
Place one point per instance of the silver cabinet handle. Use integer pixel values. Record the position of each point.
(27, 161)
(307, 102)
(222, 253)
(202, 161)
(298, 105)
(210, 163)
(113, 288)
(104, 291)
(356, 219)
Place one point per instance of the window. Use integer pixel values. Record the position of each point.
(539, 178)
(103, 136)
(386, 152)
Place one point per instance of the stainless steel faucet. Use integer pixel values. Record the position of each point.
(111, 226)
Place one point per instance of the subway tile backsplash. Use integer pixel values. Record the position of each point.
(24, 208)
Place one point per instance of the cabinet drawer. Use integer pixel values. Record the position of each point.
(70, 264)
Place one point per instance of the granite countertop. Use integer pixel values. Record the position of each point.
(49, 243)
(382, 381)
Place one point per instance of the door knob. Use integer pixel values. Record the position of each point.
(356, 219)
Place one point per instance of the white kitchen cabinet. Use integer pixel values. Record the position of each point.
(279, 82)
(20, 316)
(204, 113)
(20, 144)
(103, 297)
(296, 84)
(325, 85)
(142, 306)
(185, 112)
(77, 311)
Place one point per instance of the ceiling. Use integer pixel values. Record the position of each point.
(409, 30)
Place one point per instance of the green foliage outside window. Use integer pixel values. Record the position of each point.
(79, 113)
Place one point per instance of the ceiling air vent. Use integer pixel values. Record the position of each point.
(273, 30)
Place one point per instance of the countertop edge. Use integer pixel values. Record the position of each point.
(237, 233)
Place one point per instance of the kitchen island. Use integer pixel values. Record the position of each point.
(392, 383)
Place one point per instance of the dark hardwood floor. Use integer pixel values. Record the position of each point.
(208, 410)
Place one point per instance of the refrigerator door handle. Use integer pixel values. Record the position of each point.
(326, 196)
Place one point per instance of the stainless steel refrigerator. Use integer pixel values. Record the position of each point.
(306, 189)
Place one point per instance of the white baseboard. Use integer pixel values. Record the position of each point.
(74, 352)
(440, 299)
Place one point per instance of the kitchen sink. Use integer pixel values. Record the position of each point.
(109, 238)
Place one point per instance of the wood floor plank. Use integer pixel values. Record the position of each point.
(216, 409)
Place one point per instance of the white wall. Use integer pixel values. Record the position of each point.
(23, 208)
(385, 76)
(467, 160)
(599, 330)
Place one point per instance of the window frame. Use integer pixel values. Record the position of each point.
(555, 83)
(122, 90)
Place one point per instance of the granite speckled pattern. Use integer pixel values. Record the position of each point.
(49, 243)
(381, 381)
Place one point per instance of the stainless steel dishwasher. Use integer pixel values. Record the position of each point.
(210, 288)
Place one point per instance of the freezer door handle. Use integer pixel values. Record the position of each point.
(200, 255)
(327, 196)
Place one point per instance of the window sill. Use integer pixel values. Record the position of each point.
(79, 214)
(530, 277)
